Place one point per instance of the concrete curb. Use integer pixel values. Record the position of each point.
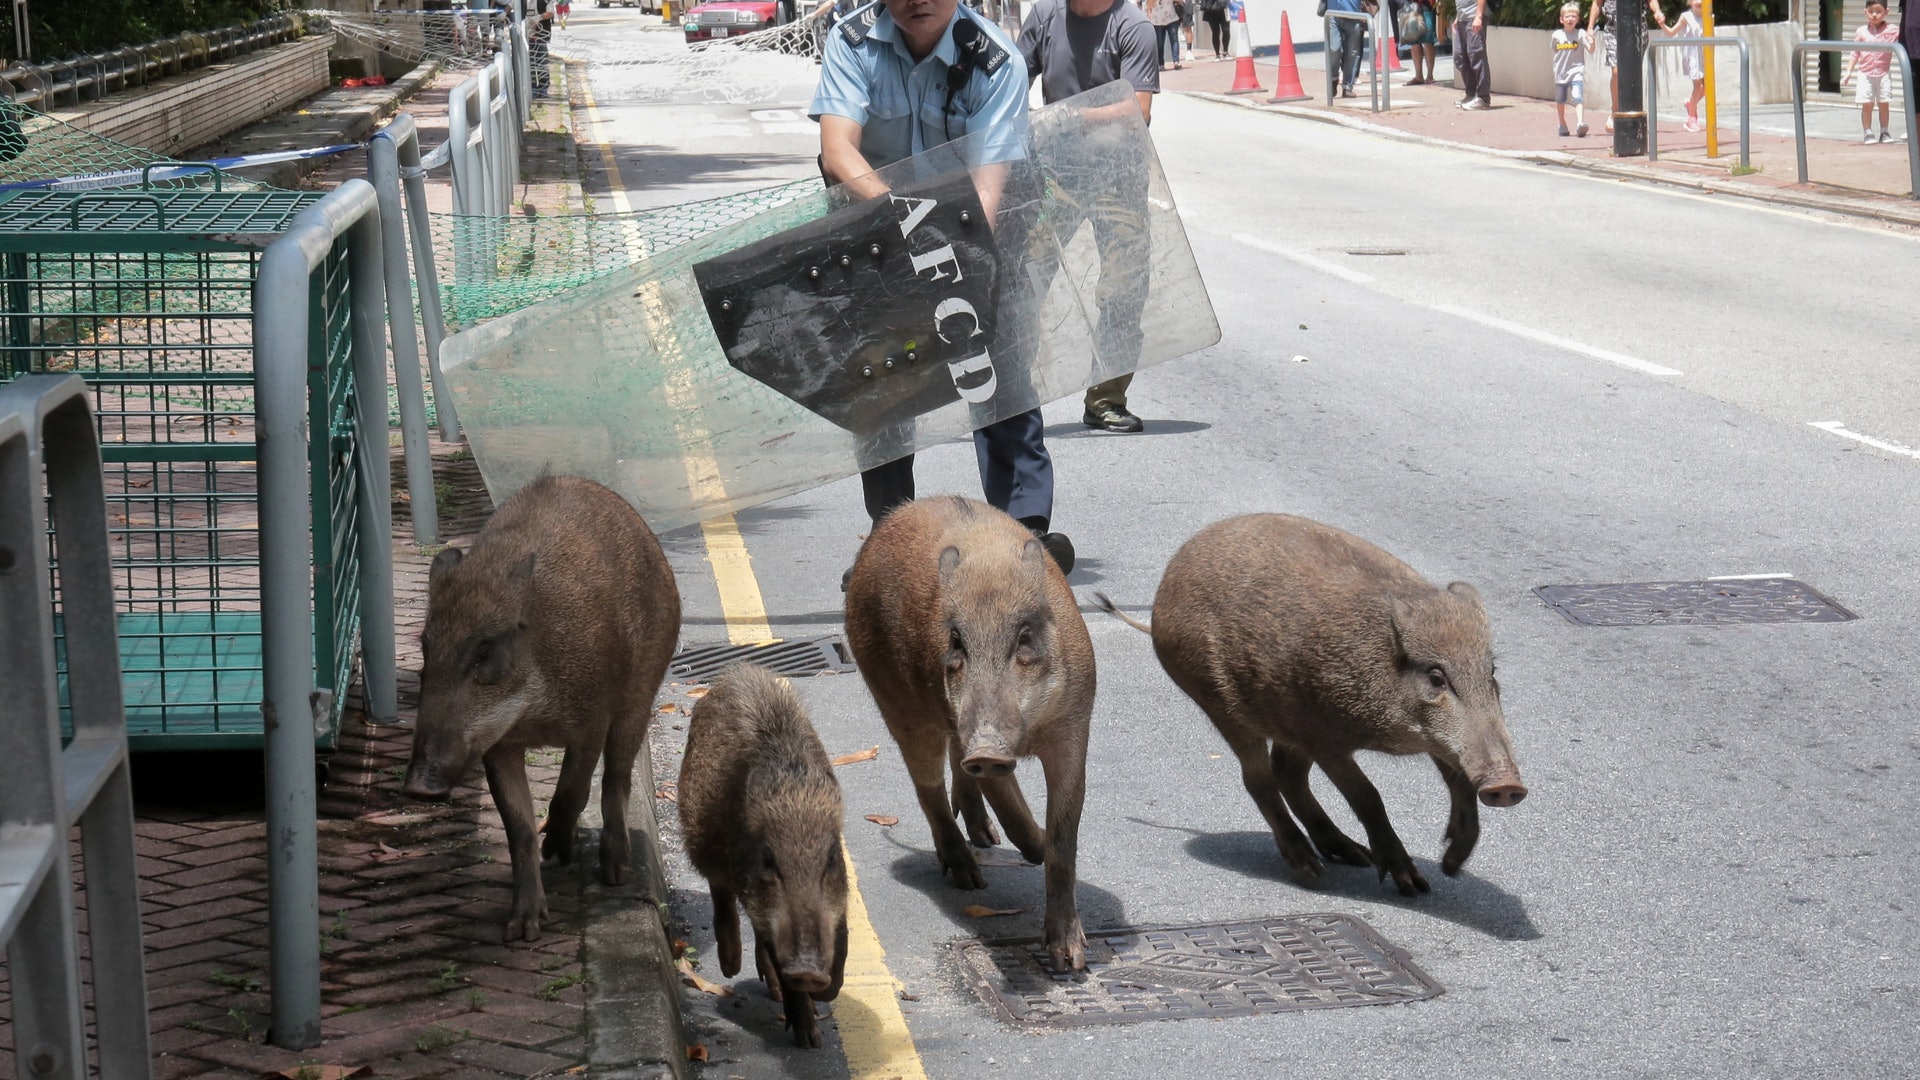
(1831, 202)
(321, 122)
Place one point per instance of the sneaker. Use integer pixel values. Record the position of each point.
(1463, 102)
(1476, 105)
(1886, 136)
(1694, 125)
(1059, 548)
(1563, 131)
(1867, 138)
(1581, 131)
(1114, 418)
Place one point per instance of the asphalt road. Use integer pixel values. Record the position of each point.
(1712, 875)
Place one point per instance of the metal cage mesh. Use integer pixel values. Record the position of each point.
(164, 339)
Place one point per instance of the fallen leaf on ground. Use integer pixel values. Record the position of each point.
(670, 707)
(668, 791)
(693, 979)
(904, 996)
(868, 754)
(697, 692)
(981, 911)
(883, 819)
(323, 1072)
(679, 948)
(697, 1052)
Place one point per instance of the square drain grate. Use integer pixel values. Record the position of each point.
(800, 656)
(1281, 964)
(1693, 603)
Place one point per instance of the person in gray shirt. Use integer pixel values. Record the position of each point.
(1072, 46)
(1470, 54)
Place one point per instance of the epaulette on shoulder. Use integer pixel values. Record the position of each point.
(979, 50)
(858, 23)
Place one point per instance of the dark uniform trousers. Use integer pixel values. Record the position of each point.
(1016, 473)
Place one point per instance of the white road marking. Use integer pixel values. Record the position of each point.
(1558, 342)
(1304, 259)
(1748, 577)
(1839, 428)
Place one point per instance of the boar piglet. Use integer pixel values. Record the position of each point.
(1305, 644)
(554, 630)
(761, 812)
(973, 647)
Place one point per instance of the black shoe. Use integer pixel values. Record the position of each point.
(1113, 418)
(1059, 548)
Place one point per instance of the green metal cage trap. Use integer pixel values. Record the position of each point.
(148, 296)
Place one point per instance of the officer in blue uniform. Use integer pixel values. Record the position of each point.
(899, 78)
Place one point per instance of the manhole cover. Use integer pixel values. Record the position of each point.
(1376, 251)
(1693, 603)
(1281, 964)
(801, 656)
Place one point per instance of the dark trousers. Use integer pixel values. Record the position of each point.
(1016, 472)
(1470, 59)
(1351, 38)
(1218, 27)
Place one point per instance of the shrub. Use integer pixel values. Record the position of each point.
(60, 29)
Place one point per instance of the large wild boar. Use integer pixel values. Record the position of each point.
(555, 630)
(1304, 644)
(761, 812)
(973, 647)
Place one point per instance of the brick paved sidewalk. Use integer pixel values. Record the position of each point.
(416, 982)
(1871, 180)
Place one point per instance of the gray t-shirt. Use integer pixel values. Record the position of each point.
(1072, 55)
(1569, 58)
(1465, 10)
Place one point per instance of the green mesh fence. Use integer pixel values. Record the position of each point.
(489, 267)
(46, 149)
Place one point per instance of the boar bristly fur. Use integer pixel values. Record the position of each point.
(1304, 645)
(974, 650)
(761, 814)
(554, 630)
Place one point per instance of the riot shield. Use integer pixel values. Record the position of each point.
(835, 333)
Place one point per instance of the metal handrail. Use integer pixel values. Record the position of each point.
(92, 76)
(1653, 86)
(1379, 100)
(1801, 48)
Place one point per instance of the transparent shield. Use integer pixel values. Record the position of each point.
(838, 332)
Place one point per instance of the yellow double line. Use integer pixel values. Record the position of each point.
(873, 1031)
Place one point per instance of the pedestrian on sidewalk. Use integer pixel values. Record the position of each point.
(1348, 39)
(1692, 65)
(1419, 32)
(1605, 9)
(1874, 69)
(560, 12)
(1165, 17)
(1910, 26)
(1215, 14)
(1072, 46)
(539, 34)
(1470, 54)
(1570, 69)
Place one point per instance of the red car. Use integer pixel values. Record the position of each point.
(732, 18)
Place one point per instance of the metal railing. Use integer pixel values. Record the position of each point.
(90, 77)
(1378, 85)
(282, 306)
(483, 131)
(1653, 87)
(50, 458)
(1801, 48)
(392, 149)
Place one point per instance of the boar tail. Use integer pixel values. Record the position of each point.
(1100, 600)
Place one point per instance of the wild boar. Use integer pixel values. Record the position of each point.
(1304, 644)
(554, 630)
(761, 814)
(972, 645)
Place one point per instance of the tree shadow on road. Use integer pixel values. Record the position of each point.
(1466, 900)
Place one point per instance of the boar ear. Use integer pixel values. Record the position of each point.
(520, 581)
(949, 562)
(1033, 557)
(1466, 592)
(1400, 615)
(442, 563)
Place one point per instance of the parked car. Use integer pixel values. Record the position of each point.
(732, 18)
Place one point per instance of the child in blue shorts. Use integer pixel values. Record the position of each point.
(1569, 69)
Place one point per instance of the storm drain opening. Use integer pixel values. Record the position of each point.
(1286, 963)
(1723, 601)
(1376, 251)
(800, 656)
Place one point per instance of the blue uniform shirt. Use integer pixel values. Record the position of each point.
(901, 106)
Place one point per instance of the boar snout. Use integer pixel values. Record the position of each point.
(987, 764)
(1503, 792)
(812, 979)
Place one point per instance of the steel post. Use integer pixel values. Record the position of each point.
(1900, 57)
(432, 315)
(282, 293)
(383, 169)
(1364, 21)
(367, 306)
(1653, 88)
(1630, 112)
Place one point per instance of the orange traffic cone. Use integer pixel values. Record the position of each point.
(1393, 50)
(1244, 80)
(1286, 85)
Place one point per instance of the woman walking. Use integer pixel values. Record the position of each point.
(1165, 17)
(1215, 14)
(1419, 31)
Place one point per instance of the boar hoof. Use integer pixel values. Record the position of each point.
(1406, 877)
(524, 926)
(1300, 856)
(1068, 950)
(1343, 849)
(557, 847)
(963, 868)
